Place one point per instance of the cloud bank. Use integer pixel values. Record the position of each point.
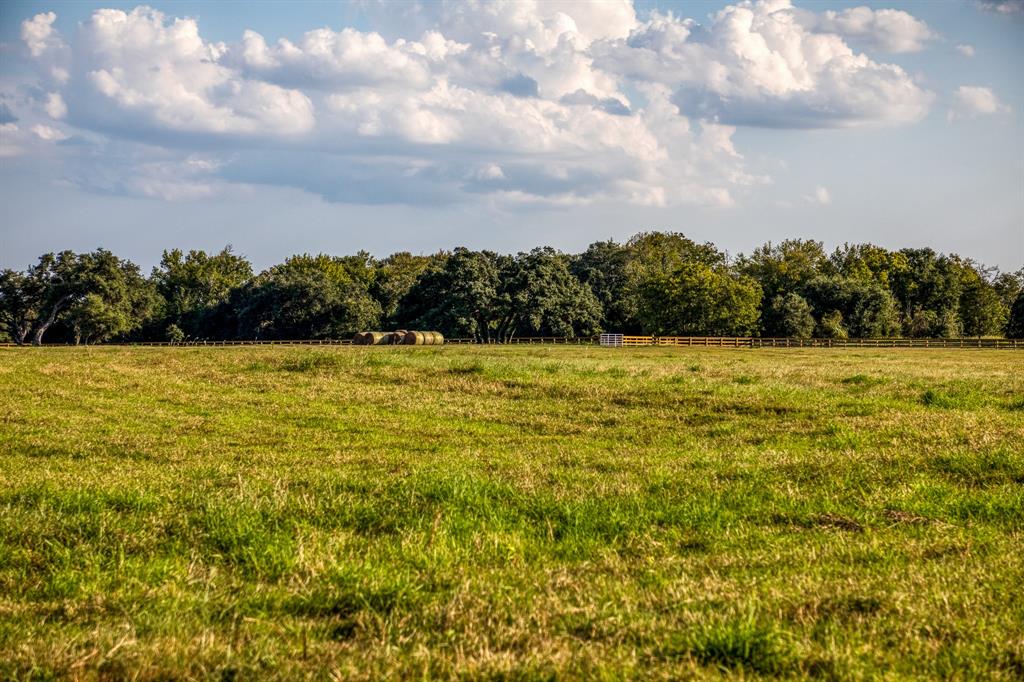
(541, 103)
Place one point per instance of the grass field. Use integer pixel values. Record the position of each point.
(511, 512)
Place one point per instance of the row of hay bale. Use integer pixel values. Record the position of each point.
(400, 337)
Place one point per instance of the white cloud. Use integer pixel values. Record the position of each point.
(44, 132)
(965, 50)
(889, 30)
(758, 64)
(821, 196)
(1002, 6)
(540, 102)
(161, 75)
(970, 101)
(39, 35)
(55, 106)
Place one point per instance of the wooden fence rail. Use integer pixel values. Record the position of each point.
(638, 341)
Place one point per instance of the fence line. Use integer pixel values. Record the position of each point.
(633, 341)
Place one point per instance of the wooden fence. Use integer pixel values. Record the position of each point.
(638, 341)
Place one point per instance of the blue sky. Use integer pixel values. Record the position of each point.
(297, 127)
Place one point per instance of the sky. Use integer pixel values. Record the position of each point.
(309, 127)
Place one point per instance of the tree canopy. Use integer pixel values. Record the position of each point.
(656, 283)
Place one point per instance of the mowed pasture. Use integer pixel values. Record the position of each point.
(511, 512)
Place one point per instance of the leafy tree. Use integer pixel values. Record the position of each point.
(790, 315)
(927, 292)
(97, 294)
(786, 267)
(194, 285)
(682, 287)
(1015, 324)
(542, 298)
(112, 298)
(395, 276)
(1008, 286)
(20, 304)
(174, 334)
(463, 296)
(981, 310)
(868, 263)
(305, 297)
(50, 287)
(604, 267)
(831, 326)
(867, 308)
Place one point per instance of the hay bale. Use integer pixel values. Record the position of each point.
(359, 339)
(438, 338)
(376, 338)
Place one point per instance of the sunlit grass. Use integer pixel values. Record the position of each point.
(511, 512)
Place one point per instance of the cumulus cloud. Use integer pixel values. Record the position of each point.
(889, 30)
(970, 101)
(965, 50)
(544, 102)
(39, 35)
(159, 74)
(759, 64)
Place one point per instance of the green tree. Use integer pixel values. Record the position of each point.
(21, 301)
(194, 285)
(542, 298)
(785, 267)
(462, 296)
(395, 276)
(305, 297)
(1015, 323)
(52, 286)
(112, 298)
(868, 263)
(682, 287)
(927, 292)
(97, 294)
(790, 315)
(604, 267)
(867, 308)
(831, 326)
(981, 310)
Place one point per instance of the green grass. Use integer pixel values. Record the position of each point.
(515, 512)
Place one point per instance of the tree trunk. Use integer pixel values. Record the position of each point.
(37, 339)
(21, 333)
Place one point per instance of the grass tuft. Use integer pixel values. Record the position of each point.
(741, 645)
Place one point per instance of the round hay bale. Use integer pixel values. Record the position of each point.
(359, 339)
(430, 338)
(409, 339)
(438, 339)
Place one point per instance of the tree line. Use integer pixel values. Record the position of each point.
(658, 283)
